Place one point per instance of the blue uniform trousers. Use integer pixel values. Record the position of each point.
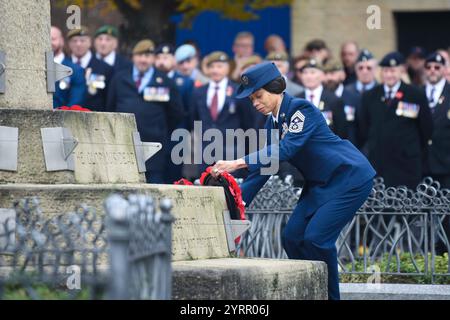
(313, 237)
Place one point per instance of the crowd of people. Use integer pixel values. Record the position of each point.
(395, 109)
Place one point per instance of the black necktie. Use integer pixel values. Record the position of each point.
(275, 124)
(431, 97)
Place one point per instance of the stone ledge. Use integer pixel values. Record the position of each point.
(250, 279)
(392, 291)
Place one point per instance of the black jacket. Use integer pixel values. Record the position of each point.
(396, 143)
(155, 120)
(332, 108)
(439, 146)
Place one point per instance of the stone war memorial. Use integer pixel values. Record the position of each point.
(65, 158)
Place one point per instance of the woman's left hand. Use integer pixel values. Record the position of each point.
(228, 166)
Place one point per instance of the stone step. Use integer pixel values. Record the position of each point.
(249, 279)
(392, 291)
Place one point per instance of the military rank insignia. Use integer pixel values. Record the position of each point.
(328, 116)
(159, 94)
(297, 122)
(408, 110)
(349, 113)
(285, 129)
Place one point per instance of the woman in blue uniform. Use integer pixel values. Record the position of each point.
(338, 178)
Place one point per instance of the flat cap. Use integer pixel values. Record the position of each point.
(256, 77)
(107, 29)
(82, 31)
(144, 46)
(392, 59)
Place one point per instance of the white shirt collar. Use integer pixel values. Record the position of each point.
(317, 93)
(368, 86)
(221, 93)
(109, 59)
(339, 90)
(84, 59)
(59, 57)
(393, 90)
(222, 84)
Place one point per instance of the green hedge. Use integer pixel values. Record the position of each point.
(406, 266)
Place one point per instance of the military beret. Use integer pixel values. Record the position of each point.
(252, 60)
(417, 51)
(277, 56)
(144, 46)
(82, 31)
(392, 59)
(333, 65)
(435, 57)
(107, 29)
(364, 55)
(312, 63)
(165, 48)
(256, 77)
(216, 56)
(184, 52)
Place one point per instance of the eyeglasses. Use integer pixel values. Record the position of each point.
(435, 67)
(360, 68)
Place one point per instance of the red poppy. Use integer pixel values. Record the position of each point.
(399, 95)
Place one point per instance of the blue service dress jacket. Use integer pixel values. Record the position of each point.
(329, 164)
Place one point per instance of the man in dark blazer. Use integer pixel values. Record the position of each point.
(165, 62)
(215, 107)
(97, 73)
(395, 120)
(153, 99)
(106, 42)
(70, 90)
(334, 81)
(437, 90)
(332, 107)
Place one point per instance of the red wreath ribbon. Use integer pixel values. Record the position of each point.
(183, 182)
(74, 108)
(233, 187)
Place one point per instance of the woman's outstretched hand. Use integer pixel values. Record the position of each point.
(228, 166)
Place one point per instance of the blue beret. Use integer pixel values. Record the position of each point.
(435, 57)
(184, 52)
(256, 77)
(365, 55)
(165, 48)
(392, 59)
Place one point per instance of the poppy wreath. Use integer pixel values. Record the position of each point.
(233, 193)
(183, 182)
(73, 108)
